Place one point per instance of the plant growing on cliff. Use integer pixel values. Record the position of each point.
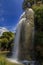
(38, 41)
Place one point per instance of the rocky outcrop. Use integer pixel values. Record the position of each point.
(26, 36)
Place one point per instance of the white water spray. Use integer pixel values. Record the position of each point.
(28, 18)
(17, 39)
(15, 52)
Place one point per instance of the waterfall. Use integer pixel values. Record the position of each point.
(15, 52)
(26, 25)
(17, 39)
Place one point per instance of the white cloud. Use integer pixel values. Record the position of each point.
(3, 29)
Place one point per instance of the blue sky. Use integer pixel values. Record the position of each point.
(10, 11)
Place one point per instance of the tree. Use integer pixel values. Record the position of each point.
(4, 43)
(6, 40)
(38, 40)
(31, 2)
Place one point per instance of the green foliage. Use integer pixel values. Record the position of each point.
(38, 16)
(39, 38)
(25, 3)
(4, 61)
(6, 40)
(39, 30)
(32, 2)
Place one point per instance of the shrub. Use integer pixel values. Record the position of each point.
(38, 16)
(39, 30)
(6, 40)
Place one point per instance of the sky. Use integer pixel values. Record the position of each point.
(10, 11)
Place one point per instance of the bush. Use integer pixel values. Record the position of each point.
(38, 16)
(38, 9)
(7, 40)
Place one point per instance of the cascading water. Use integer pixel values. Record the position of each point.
(21, 48)
(15, 52)
(17, 39)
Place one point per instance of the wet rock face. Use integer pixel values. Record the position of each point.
(26, 36)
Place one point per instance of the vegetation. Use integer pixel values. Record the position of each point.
(7, 38)
(4, 61)
(32, 2)
(6, 41)
(25, 3)
(38, 9)
(38, 40)
(38, 17)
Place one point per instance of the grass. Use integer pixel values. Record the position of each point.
(3, 60)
